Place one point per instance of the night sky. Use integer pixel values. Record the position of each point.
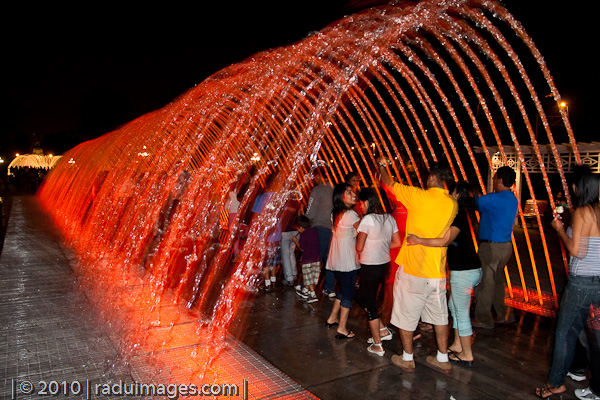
(72, 74)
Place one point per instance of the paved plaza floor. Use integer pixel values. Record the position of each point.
(283, 349)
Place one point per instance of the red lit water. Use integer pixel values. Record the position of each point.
(143, 206)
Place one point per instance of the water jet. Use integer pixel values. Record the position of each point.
(434, 81)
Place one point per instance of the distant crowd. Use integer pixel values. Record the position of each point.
(22, 180)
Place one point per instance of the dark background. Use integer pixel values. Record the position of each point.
(73, 74)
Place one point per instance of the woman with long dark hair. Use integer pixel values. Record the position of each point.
(342, 259)
(580, 303)
(465, 271)
(377, 234)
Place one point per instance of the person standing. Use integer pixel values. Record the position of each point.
(580, 303)
(465, 272)
(319, 208)
(273, 241)
(308, 244)
(288, 247)
(342, 259)
(232, 206)
(377, 235)
(420, 282)
(498, 211)
(353, 179)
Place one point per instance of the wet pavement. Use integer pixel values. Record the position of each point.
(53, 342)
(51, 333)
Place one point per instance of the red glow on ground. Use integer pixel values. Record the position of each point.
(530, 303)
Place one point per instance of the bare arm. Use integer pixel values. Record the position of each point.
(360, 242)
(295, 240)
(571, 243)
(444, 241)
(396, 241)
(386, 179)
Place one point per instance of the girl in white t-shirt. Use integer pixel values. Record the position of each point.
(342, 259)
(377, 235)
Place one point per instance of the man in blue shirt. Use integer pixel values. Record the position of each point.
(498, 211)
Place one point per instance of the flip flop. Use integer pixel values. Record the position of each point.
(539, 392)
(327, 324)
(350, 335)
(460, 361)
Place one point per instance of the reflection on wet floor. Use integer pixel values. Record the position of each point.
(5, 203)
(510, 360)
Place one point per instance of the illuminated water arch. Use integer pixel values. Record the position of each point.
(143, 206)
(40, 161)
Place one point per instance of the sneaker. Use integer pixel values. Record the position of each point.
(312, 298)
(577, 376)
(303, 293)
(444, 367)
(586, 394)
(298, 290)
(329, 293)
(408, 366)
(288, 283)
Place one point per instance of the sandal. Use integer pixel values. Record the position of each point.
(386, 337)
(372, 349)
(349, 335)
(459, 361)
(539, 392)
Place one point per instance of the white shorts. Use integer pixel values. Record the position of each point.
(418, 298)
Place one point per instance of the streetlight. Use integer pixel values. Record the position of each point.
(564, 105)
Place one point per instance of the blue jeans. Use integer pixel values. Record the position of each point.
(461, 289)
(580, 293)
(593, 339)
(324, 243)
(288, 257)
(347, 282)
